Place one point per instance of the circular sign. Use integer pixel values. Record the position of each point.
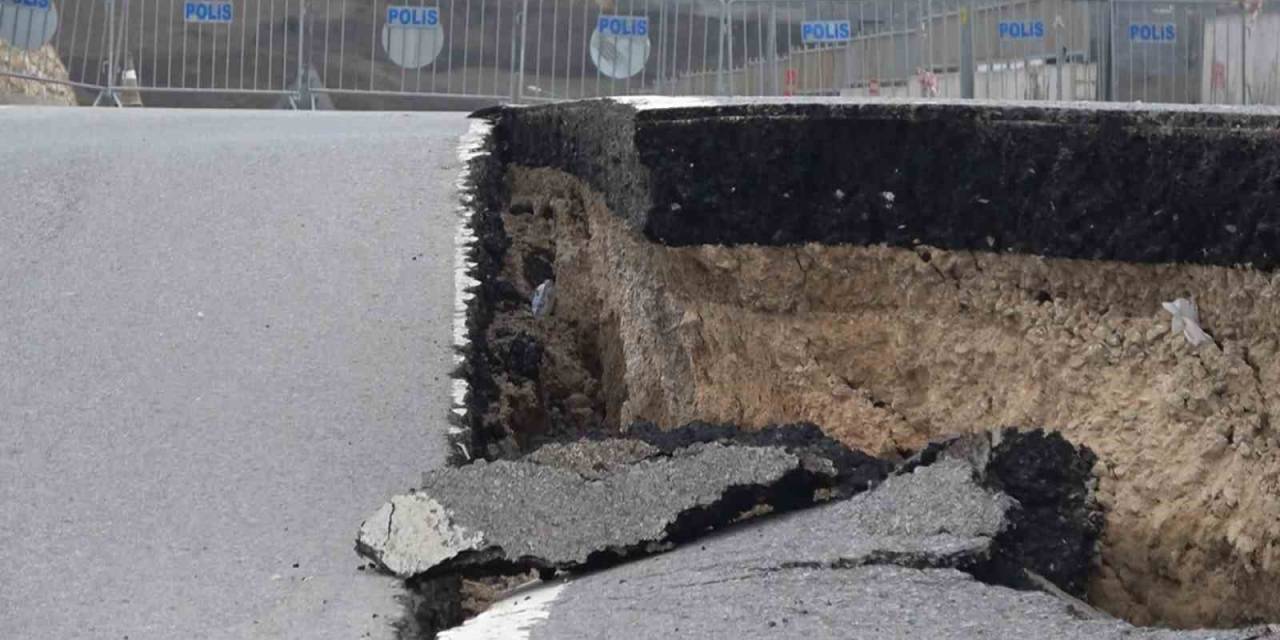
(619, 57)
(412, 48)
(28, 24)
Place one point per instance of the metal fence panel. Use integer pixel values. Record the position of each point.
(416, 47)
(1210, 51)
(76, 29)
(1158, 49)
(173, 46)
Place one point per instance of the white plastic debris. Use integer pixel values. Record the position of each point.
(1186, 319)
(544, 299)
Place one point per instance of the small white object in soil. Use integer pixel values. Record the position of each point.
(544, 299)
(1186, 319)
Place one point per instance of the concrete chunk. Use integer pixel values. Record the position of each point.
(531, 515)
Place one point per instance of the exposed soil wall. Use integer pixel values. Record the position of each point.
(889, 347)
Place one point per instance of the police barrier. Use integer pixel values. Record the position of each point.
(297, 51)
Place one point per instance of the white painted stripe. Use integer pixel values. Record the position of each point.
(643, 103)
(469, 148)
(513, 617)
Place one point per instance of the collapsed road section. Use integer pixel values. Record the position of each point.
(899, 272)
(895, 562)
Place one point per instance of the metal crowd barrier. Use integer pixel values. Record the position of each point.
(302, 51)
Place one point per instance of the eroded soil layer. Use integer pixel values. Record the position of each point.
(887, 348)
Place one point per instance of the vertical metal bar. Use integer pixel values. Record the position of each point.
(243, 28)
(1244, 58)
(303, 78)
(342, 44)
(592, 29)
(582, 66)
(111, 47)
(257, 44)
(480, 53)
(328, 15)
(524, 45)
(271, 37)
(466, 49)
(553, 88)
(375, 20)
(568, 55)
(418, 39)
(761, 61)
(435, 62)
(284, 50)
(720, 50)
(448, 82)
(199, 53)
(404, 49)
(497, 51)
(772, 48)
(966, 52)
(537, 56)
(688, 59)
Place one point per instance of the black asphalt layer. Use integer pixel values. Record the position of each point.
(223, 336)
(1098, 181)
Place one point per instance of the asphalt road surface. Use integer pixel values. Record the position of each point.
(224, 340)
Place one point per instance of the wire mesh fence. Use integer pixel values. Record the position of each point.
(1191, 51)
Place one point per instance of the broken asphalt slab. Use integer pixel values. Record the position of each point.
(508, 516)
(891, 562)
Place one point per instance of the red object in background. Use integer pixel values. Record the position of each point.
(790, 79)
(1218, 77)
(873, 88)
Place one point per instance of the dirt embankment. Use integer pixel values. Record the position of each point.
(890, 347)
(43, 63)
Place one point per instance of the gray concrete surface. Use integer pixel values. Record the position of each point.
(880, 565)
(224, 337)
(548, 516)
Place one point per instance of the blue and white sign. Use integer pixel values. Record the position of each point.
(823, 31)
(208, 12)
(28, 24)
(1021, 30)
(1153, 33)
(622, 26)
(42, 5)
(413, 36)
(619, 45)
(414, 17)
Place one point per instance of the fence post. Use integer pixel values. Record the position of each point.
(773, 50)
(108, 92)
(1244, 55)
(303, 99)
(966, 52)
(518, 94)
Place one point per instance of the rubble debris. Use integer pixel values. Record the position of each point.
(509, 516)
